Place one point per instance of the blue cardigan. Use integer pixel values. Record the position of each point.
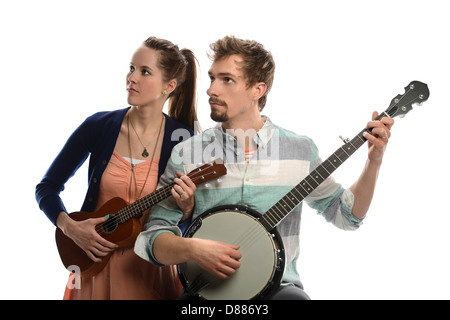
(96, 137)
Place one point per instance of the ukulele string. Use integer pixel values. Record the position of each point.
(123, 212)
(100, 227)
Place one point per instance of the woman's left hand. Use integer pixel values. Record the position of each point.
(183, 192)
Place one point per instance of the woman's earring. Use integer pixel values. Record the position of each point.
(164, 92)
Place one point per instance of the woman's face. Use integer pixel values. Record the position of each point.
(145, 82)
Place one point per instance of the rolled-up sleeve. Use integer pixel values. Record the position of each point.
(143, 246)
(336, 208)
(331, 200)
(163, 217)
(344, 219)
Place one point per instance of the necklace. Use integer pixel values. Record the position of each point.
(144, 152)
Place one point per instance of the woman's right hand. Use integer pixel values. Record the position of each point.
(83, 233)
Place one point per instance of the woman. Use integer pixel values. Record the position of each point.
(128, 149)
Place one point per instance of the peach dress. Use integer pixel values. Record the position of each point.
(127, 276)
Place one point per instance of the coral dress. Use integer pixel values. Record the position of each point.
(127, 276)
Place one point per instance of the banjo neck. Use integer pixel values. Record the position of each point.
(282, 208)
(257, 235)
(415, 93)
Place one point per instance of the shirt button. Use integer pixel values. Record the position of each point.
(348, 202)
(247, 179)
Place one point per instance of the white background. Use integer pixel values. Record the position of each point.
(337, 61)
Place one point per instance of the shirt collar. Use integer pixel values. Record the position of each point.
(262, 137)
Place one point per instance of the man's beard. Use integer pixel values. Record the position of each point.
(219, 117)
(216, 115)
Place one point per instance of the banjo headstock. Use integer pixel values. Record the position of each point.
(415, 94)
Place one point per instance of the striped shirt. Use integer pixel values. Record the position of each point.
(281, 161)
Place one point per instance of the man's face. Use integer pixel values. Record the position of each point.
(230, 98)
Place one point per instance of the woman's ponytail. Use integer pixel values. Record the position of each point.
(183, 100)
(180, 65)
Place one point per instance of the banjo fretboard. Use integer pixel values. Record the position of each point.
(415, 92)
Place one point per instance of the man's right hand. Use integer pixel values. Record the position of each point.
(218, 258)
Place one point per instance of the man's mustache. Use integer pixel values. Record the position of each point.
(217, 101)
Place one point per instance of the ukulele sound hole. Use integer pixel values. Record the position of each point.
(110, 225)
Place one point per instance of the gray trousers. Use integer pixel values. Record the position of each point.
(286, 291)
(289, 291)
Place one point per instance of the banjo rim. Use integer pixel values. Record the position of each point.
(278, 269)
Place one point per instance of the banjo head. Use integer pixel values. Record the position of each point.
(262, 262)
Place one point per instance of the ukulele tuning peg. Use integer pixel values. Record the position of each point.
(207, 185)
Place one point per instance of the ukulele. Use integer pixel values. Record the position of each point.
(123, 225)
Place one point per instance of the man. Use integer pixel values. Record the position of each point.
(263, 162)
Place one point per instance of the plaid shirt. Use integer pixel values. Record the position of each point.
(282, 160)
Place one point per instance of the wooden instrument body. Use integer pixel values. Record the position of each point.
(124, 235)
(123, 225)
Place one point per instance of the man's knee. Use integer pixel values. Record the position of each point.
(290, 291)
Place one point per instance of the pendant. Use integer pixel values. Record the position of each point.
(144, 153)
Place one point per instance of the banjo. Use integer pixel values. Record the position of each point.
(263, 256)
